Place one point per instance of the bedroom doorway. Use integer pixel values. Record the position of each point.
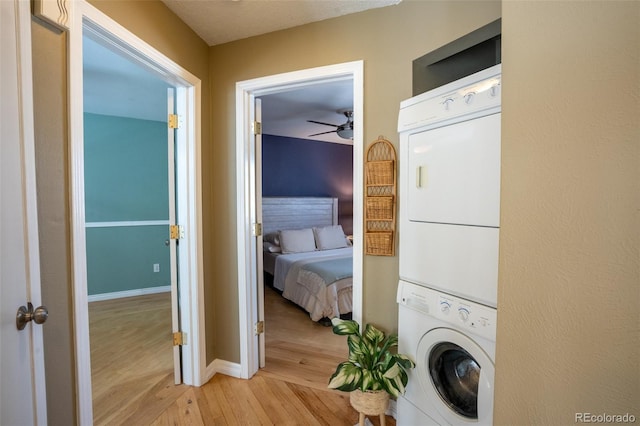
(187, 180)
(251, 302)
(132, 280)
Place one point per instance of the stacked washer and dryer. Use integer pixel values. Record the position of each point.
(449, 229)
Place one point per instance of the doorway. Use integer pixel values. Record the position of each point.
(187, 180)
(129, 206)
(304, 158)
(248, 204)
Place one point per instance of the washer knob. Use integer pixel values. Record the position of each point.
(464, 314)
(444, 307)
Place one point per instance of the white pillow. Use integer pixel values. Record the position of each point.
(297, 240)
(330, 237)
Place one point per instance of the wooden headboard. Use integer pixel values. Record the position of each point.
(280, 213)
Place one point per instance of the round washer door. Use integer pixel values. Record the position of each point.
(457, 375)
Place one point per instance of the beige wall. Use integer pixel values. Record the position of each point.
(387, 40)
(568, 324)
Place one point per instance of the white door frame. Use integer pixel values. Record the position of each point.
(188, 186)
(246, 91)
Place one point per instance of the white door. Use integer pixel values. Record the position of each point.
(457, 173)
(22, 393)
(173, 243)
(258, 200)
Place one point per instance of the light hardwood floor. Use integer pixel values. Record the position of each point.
(132, 371)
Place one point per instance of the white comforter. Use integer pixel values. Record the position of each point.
(308, 289)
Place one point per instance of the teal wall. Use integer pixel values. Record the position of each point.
(126, 179)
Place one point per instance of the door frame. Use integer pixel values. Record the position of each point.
(248, 250)
(188, 186)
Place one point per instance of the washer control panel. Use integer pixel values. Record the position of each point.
(467, 315)
(457, 312)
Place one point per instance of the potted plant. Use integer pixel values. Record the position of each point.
(373, 371)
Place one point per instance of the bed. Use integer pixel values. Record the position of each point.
(306, 254)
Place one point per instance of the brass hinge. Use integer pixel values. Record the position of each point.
(259, 327)
(257, 128)
(174, 121)
(179, 338)
(176, 232)
(257, 229)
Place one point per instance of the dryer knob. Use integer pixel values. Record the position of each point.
(444, 307)
(468, 98)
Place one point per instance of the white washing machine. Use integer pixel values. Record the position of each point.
(452, 341)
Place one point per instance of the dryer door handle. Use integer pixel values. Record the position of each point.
(421, 175)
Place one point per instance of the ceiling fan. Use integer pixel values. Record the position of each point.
(345, 131)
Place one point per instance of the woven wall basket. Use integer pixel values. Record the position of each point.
(380, 198)
(371, 403)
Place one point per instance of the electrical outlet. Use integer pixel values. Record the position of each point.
(156, 267)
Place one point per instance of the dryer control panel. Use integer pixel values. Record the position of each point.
(475, 95)
(459, 313)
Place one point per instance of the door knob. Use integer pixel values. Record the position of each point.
(26, 314)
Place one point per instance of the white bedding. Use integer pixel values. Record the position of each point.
(307, 289)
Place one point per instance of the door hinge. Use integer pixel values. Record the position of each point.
(179, 338)
(174, 121)
(259, 327)
(176, 232)
(257, 128)
(257, 229)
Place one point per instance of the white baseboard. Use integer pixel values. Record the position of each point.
(128, 293)
(392, 409)
(228, 368)
(223, 367)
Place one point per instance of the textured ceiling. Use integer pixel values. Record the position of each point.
(222, 21)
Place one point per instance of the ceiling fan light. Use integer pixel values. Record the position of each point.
(345, 133)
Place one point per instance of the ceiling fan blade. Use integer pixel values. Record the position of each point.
(324, 133)
(325, 124)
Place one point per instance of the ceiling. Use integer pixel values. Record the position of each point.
(222, 21)
(113, 85)
(286, 113)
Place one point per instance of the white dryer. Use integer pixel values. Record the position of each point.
(449, 216)
(452, 342)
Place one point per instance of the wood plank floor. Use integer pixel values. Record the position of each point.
(132, 371)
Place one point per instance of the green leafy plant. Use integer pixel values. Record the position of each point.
(371, 365)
